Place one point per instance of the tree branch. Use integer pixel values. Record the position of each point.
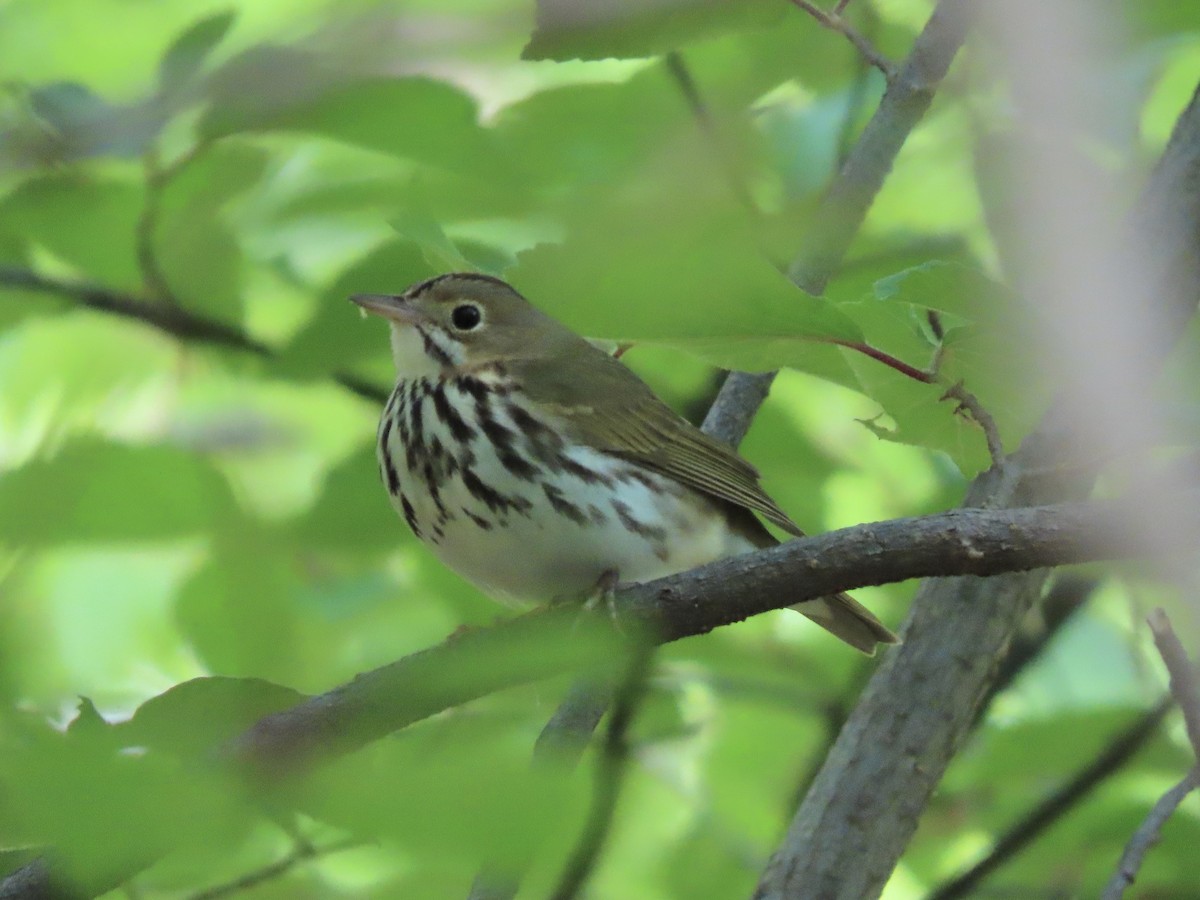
(864, 806)
(1038, 820)
(834, 22)
(166, 317)
(1185, 689)
(1147, 836)
(561, 639)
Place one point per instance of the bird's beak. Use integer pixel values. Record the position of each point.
(394, 309)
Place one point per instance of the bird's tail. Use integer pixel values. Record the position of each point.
(846, 618)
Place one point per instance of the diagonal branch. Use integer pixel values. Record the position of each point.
(864, 806)
(1185, 689)
(166, 317)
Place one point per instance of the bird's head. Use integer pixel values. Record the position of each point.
(461, 321)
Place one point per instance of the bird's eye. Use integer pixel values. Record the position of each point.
(466, 316)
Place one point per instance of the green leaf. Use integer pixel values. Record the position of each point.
(684, 271)
(415, 222)
(239, 611)
(352, 513)
(581, 137)
(635, 28)
(187, 54)
(193, 718)
(88, 222)
(96, 491)
(197, 250)
(338, 336)
(415, 118)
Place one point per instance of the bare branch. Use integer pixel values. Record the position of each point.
(1038, 820)
(169, 318)
(302, 853)
(1184, 686)
(834, 22)
(1147, 836)
(1186, 691)
(610, 772)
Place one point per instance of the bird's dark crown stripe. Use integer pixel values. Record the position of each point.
(418, 289)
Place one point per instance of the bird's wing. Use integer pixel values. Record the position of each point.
(614, 411)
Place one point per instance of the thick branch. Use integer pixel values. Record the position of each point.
(865, 804)
(960, 542)
(560, 639)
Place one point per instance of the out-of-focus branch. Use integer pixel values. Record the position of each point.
(834, 22)
(167, 317)
(303, 853)
(1110, 760)
(610, 772)
(1185, 689)
(1147, 836)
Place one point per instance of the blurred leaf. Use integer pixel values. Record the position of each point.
(95, 491)
(629, 28)
(89, 222)
(83, 124)
(197, 250)
(192, 719)
(468, 775)
(415, 118)
(239, 611)
(678, 264)
(338, 336)
(352, 512)
(415, 222)
(187, 54)
(579, 137)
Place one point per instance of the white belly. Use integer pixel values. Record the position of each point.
(548, 534)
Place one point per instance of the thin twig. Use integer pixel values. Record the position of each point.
(834, 22)
(1186, 691)
(704, 120)
(970, 403)
(303, 852)
(610, 772)
(1052, 809)
(1184, 686)
(1147, 836)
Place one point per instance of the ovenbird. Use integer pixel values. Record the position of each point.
(535, 464)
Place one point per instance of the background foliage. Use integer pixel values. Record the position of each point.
(183, 503)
